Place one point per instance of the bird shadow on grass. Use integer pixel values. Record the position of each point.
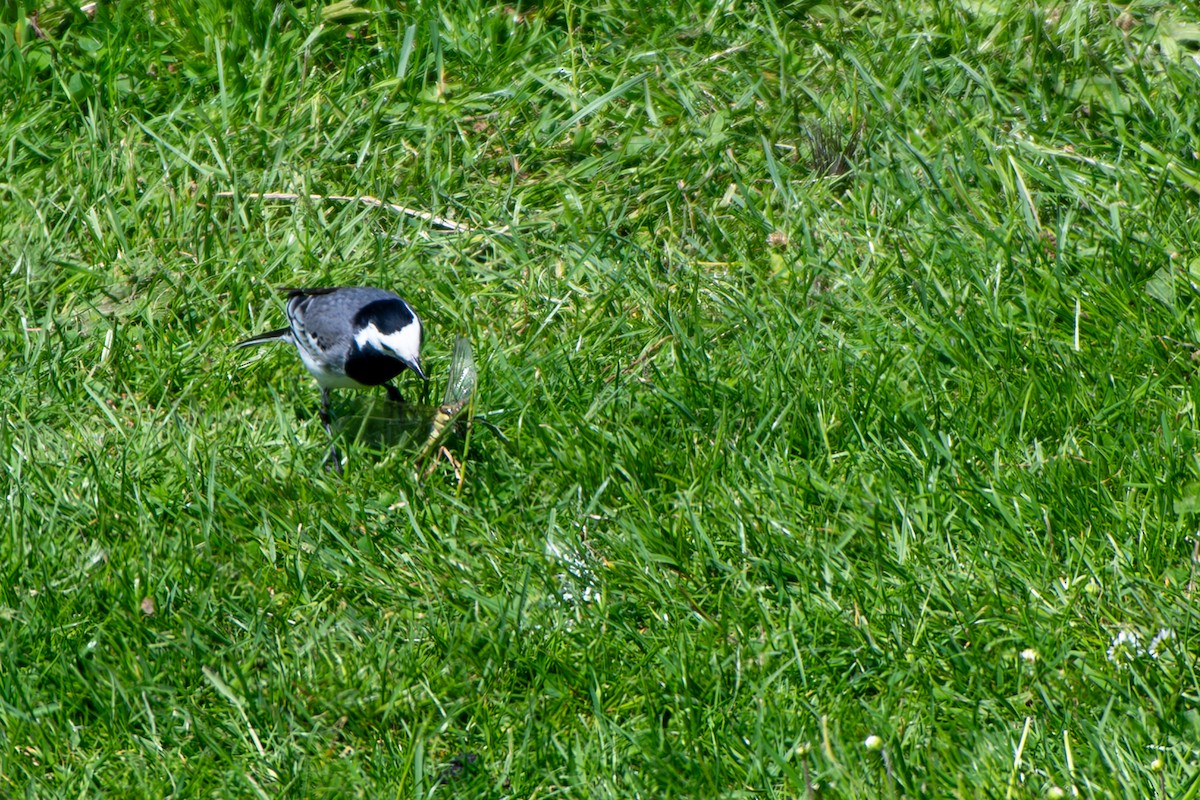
(381, 423)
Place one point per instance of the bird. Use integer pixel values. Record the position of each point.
(350, 337)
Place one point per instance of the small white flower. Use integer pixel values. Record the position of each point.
(576, 571)
(1160, 637)
(1055, 793)
(1029, 654)
(1156, 765)
(873, 743)
(1124, 648)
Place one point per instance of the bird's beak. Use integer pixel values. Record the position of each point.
(415, 366)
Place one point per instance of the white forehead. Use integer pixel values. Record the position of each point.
(404, 343)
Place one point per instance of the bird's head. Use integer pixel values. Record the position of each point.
(393, 334)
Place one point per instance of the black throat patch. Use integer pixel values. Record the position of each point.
(371, 367)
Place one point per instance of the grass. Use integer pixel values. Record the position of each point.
(837, 380)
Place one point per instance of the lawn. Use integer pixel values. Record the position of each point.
(837, 429)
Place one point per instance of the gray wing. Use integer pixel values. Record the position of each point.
(323, 318)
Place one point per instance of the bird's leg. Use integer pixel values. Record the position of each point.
(325, 420)
(393, 393)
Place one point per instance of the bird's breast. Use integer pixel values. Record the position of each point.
(371, 368)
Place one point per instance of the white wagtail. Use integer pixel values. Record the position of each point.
(350, 337)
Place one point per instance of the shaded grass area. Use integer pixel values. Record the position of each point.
(837, 365)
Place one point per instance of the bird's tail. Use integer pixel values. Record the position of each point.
(281, 335)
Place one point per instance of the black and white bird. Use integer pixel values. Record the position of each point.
(350, 337)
